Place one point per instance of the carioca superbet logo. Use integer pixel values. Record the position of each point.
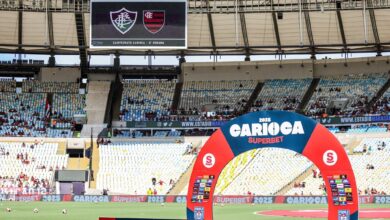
(267, 127)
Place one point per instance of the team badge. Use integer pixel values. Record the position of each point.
(154, 20)
(199, 213)
(343, 215)
(123, 20)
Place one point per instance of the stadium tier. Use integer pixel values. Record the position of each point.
(28, 168)
(345, 95)
(23, 114)
(29, 111)
(50, 87)
(226, 98)
(65, 106)
(127, 168)
(370, 170)
(144, 100)
(281, 94)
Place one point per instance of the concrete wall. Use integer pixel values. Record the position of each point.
(101, 76)
(247, 70)
(351, 66)
(288, 69)
(58, 74)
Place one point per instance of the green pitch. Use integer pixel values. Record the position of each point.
(91, 211)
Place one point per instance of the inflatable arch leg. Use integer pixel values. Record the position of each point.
(281, 130)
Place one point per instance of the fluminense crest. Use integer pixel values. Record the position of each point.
(123, 20)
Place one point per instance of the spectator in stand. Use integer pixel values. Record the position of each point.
(161, 183)
(314, 173)
(154, 181)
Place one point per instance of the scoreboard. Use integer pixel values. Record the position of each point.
(138, 24)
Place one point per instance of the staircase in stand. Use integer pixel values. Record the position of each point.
(309, 93)
(379, 94)
(299, 179)
(95, 164)
(183, 181)
(96, 104)
(253, 97)
(177, 96)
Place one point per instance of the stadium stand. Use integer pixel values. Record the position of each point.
(145, 100)
(382, 106)
(23, 114)
(7, 85)
(233, 169)
(29, 113)
(270, 173)
(223, 97)
(344, 95)
(369, 145)
(309, 186)
(281, 94)
(65, 106)
(29, 167)
(50, 87)
(370, 171)
(138, 163)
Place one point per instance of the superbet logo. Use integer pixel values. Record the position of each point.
(330, 157)
(208, 160)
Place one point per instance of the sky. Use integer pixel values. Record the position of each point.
(172, 60)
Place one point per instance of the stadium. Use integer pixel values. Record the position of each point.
(198, 109)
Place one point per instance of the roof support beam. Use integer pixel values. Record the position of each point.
(20, 31)
(52, 59)
(79, 19)
(374, 27)
(308, 28)
(342, 32)
(211, 27)
(276, 28)
(50, 26)
(244, 29)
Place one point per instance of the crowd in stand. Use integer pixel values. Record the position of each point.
(146, 100)
(28, 168)
(23, 184)
(372, 191)
(224, 100)
(353, 93)
(30, 114)
(382, 106)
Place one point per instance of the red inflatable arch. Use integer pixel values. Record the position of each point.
(281, 130)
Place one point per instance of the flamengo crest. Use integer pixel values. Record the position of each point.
(154, 20)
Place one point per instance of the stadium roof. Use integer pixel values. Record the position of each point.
(242, 27)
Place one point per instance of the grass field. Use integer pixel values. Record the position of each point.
(91, 211)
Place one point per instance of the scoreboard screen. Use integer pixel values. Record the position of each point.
(138, 24)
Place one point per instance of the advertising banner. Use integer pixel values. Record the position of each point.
(174, 124)
(217, 124)
(353, 120)
(380, 200)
